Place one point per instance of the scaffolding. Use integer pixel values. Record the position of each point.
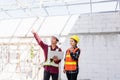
(16, 59)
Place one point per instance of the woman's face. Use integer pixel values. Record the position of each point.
(72, 42)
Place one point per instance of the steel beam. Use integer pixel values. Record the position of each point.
(16, 44)
(86, 33)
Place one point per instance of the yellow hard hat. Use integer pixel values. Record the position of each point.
(75, 37)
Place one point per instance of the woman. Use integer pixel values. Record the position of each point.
(71, 67)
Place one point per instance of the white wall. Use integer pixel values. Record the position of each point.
(100, 53)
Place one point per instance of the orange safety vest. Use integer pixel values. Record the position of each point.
(70, 64)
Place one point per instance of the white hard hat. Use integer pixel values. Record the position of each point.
(56, 36)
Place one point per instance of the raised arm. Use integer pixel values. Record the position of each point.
(38, 39)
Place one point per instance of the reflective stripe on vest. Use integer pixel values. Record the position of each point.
(70, 64)
(48, 62)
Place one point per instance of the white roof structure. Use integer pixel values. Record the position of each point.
(48, 17)
(36, 8)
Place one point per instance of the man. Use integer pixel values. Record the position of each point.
(53, 69)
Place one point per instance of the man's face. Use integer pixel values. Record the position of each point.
(53, 40)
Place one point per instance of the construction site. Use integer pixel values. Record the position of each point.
(96, 22)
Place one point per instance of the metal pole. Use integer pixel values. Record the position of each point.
(46, 11)
(65, 25)
(15, 30)
(116, 5)
(41, 24)
(119, 5)
(91, 6)
(40, 27)
(31, 26)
